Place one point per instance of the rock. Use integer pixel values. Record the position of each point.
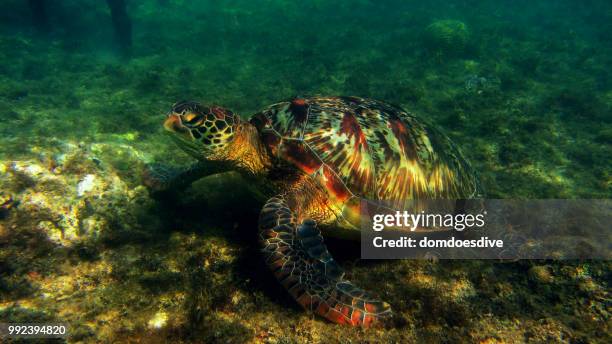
(6, 203)
(74, 199)
(159, 320)
(540, 274)
(86, 184)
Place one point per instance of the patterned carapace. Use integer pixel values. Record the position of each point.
(365, 149)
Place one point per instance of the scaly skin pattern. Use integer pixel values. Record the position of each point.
(201, 128)
(358, 148)
(300, 261)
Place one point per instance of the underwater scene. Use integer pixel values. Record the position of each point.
(164, 164)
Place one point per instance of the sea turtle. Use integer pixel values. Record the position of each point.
(322, 155)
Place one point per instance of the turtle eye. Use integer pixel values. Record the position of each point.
(191, 118)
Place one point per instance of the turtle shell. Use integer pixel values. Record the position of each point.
(363, 148)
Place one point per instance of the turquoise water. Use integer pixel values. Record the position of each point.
(523, 87)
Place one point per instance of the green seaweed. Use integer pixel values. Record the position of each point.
(446, 37)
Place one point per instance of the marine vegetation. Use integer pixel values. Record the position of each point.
(526, 95)
(446, 37)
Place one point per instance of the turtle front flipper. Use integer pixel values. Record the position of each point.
(160, 178)
(301, 262)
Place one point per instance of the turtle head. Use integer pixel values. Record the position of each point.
(203, 132)
(213, 133)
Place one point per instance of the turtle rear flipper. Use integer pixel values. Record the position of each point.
(301, 262)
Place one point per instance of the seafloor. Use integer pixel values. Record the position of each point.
(524, 88)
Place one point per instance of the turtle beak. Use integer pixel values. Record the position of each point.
(173, 123)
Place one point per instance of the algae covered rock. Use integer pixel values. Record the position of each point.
(6, 203)
(72, 196)
(540, 274)
(446, 37)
